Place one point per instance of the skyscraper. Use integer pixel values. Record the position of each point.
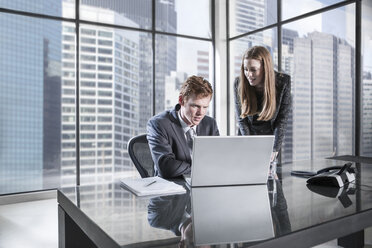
(248, 15)
(30, 80)
(344, 105)
(288, 37)
(322, 96)
(165, 46)
(115, 83)
(367, 115)
(109, 98)
(203, 64)
(302, 99)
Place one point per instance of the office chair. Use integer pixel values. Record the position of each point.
(140, 154)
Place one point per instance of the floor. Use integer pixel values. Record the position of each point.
(38, 223)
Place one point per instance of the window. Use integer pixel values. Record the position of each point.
(32, 117)
(183, 17)
(128, 13)
(192, 57)
(303, 7)
(248, 15)
(318, 52)
(46, 7)
(366, 111)
(120, 79)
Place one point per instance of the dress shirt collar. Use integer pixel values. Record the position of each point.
(184, 126)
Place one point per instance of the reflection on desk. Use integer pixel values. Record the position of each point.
(231, 214)
(335, 192)
(169, 212)
(279, 208)
(221, 215)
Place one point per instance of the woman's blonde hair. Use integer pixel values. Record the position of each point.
(247, 93)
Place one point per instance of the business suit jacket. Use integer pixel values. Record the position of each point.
(167, 142)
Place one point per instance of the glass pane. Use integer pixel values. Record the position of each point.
(249, 15)
(319, 56)
(68, 108)
(130, 13)
(177, 59)
(303, 7)
(30, 109)
(115, 98)
(191, 17)
(60, 8)
(366, 147)
(267, 38)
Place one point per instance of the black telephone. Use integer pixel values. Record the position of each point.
(335, 176)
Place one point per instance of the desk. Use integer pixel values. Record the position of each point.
(106, 215)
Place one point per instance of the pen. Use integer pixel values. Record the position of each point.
(150, 183)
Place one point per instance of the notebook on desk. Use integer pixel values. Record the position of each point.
(230, 160)
(151, 186)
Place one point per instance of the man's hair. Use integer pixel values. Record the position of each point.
(198, 86)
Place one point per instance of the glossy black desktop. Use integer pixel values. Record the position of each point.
(300, 215)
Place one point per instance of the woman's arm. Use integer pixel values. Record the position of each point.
(285, 106)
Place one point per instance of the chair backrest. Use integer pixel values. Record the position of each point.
(139, 152)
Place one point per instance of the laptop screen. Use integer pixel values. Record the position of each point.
(231, 160)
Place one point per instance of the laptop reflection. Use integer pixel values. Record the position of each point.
(231, 214)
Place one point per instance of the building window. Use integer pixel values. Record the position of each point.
(318, 52)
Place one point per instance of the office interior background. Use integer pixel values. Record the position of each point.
(78, 79)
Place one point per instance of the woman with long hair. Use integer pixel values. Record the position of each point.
(262, 97)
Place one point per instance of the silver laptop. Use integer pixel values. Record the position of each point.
(230, 160)
(232, 214)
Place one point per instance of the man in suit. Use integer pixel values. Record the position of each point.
(168, 132)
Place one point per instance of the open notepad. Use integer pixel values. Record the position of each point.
(151, 186)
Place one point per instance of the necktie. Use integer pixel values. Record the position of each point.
(189, 138)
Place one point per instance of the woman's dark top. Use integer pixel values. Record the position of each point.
(277, 125)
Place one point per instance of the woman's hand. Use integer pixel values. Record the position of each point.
(273, 164)
(274, 155)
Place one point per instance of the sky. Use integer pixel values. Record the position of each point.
(194, 21)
